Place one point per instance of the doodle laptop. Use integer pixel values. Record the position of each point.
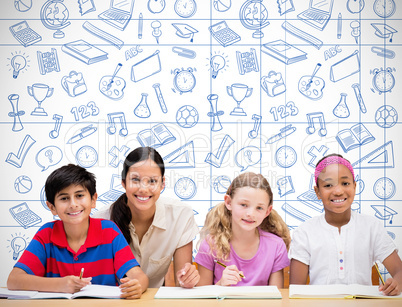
(119, 13)
(116, 189)
(318, 13)
(310, 199)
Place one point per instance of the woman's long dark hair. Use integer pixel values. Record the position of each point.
(120, 213)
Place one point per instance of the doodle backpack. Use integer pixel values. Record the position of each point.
(273, 84)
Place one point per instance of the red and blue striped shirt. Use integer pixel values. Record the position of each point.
(105, 255)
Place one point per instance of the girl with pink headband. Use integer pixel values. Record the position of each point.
(341, 245)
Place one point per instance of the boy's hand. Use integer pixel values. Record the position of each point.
(72, 284)
(230, 276)
(188, 276)
(130, 288)
(391, 287)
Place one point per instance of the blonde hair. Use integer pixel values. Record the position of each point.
(217, 230)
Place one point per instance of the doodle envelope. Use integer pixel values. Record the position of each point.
(146, 67)
(346, 67)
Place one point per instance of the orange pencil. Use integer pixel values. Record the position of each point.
(82, 273)
(379, 274)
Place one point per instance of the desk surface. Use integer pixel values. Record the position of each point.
(148, 300)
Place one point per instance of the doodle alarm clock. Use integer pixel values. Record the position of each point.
(185, 8)
(185, 188)
(285, 156)
(184, 80)
(383, 80)
(86, 156)
(384, 8)
(384, 188)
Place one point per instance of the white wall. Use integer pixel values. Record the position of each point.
(49, 150)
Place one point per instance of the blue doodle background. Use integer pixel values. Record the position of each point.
(159, 88)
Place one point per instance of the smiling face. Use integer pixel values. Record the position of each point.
(73, 205)
(143, 184)
(336, 188)
(249, 207)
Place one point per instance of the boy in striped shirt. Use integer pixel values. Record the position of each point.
(61, 249)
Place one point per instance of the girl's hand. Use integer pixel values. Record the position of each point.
(391, 287)
(72, 284)
(188, 276)
(230, 276)
(130, 288)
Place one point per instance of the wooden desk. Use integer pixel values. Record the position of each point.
(147, 300)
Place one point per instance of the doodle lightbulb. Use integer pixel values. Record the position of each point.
(217, 63)
(18, 63)
(18, 244)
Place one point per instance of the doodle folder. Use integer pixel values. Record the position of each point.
(283, 52)
(345, 68)
(84, 52)
(146, 67)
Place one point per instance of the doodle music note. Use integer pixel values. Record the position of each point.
(55, 132)
(311, 127)
(112, 126)
(257, 124)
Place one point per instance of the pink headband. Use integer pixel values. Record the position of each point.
(332, 160)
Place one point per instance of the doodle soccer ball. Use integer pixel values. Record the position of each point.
(187, 116)
(386, 117)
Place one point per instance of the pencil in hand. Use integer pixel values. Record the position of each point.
(379, 274)
(223, 265)
(82, 273)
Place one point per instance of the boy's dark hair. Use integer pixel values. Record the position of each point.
(68, 175)
(120, 213)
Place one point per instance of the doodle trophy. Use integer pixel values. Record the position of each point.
(216, 124)
(39, 92)
(17, 126)
(239, 91)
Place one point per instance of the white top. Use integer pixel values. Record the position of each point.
(341, 258)
(173, 227)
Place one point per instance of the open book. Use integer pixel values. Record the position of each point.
(219, 292)
(155, 137)
(354, 137)
(90, 291)
(337, 291)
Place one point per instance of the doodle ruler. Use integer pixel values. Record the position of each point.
(382, 157)
(103, 35)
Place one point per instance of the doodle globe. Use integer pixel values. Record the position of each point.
(23, 184)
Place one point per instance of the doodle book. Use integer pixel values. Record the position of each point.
(354, 137)
(337, 291)
(90, 291)
(155, 137)
(219, 292)
(283, 51)
(84, 52)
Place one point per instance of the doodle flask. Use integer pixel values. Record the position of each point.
(341, 110)
(142, 110)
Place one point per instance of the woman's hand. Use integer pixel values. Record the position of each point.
(188, 276)
(130, 288)
(230, 276)
(391, 287)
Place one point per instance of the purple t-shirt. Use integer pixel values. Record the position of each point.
(271, 256)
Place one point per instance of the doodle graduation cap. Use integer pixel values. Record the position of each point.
(384, 212)
(384, 31)
(184, 30)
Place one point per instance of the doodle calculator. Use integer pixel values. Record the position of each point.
(24, 216)
(24, 34)
(223, 34)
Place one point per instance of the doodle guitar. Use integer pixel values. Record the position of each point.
(311, 86)
(112, 86)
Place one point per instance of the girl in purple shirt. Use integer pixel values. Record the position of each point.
(244, 241)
